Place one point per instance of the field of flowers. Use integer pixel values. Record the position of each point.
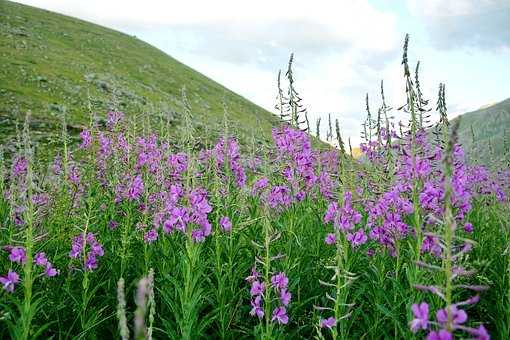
(138, 234)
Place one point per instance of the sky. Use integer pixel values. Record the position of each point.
(343, 48)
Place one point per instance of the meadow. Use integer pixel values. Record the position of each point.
(154, 231)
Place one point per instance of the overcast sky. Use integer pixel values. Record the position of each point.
(342, 48)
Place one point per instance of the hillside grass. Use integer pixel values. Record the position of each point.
(54, 65)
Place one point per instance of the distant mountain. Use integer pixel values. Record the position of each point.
(53, 63)
(485, 133)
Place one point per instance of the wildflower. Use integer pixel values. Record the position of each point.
(9, 281)
(257, 288)
(198, 236)
(225, 224)
(480, 333)
(19, 166)
(358, 238)
(18, 255)
(49, 270)
(135, 189)
(328, 323)
(440, 335)
(113, 225)
(150, 236)
(280, 281)
(468, 228)
(330, 239)
(279, 197)
(86, 139)
(256, 309)
(285, 297)
(259, 185)
(458, 316)
(78, 249)
(421, 316)
(253, 276)
(280, 315)
(40, 259)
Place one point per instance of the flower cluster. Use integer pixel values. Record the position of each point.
(79, 250)
(279, 283)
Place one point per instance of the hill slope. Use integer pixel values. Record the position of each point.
(489, 126)
(52, 63)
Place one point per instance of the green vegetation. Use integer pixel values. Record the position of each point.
(485, 133)
(53, 64)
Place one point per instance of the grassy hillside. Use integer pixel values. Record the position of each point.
(53, 64)
(490, 128)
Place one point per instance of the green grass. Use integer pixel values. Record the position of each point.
(491, 129)
(53, 63)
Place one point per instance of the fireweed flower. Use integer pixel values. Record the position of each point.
(280, 315)
(86, 139)
(113, 119)
(17, 255)
(280, 281)
(285, 297)
(344, 218)
(256, 305)
(279, 197)
(358, 238)
(150, 236)
(421, 316)
(40, 259)
(257, 288)
(459, 316)
(19, 167)
(135, 189)
(468, 228)
(330, 239)
(440, 335)
(328, 323)
(225, 224)
(228, 150)
(431, 245)
(9, 281)
(259, 185)
(79, 250)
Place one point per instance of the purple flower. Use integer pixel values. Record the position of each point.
(330, 239)
(9, 281)
(253, 276)
(468, 228)
(256, 309)
(225, 224)
(421, 316)
(280, 281)
(358, 238)
(19, 166)
(440, 335)
(49, 270)
(280, 315)
(40, 259)
(113, 225)
(78, 250)
(86, 139)
(328, 323)
(18, 255)
(198, 236)
(480, 333)
(458, 316)
(259, 185)
(150, 236)
(135, 189)
(257, 288)
(285, 297)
